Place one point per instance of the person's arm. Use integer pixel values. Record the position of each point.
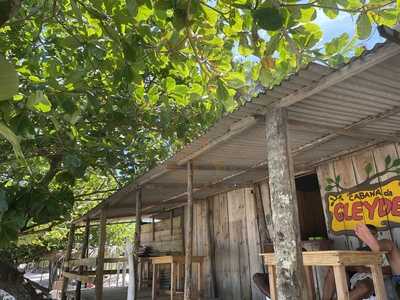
(358, 269)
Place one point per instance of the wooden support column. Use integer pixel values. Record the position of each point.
(100, 256)
(153, 228)
(85, 246)
(137, 240)
(286, 228)
(71, 238)
(189, 234)
(171, 217)
(211, 249)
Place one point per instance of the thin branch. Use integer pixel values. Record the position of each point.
(94, 193)
(355, 10)
(216, 10)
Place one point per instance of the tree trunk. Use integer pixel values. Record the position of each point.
(12, 281)
(286, 232)
(8, 9)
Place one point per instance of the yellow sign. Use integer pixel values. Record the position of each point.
(378, 205)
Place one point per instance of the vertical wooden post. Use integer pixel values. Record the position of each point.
(71, 238)
(211, 249)
(153, 228)
(100, 256)
(85, 244)
(286, 233)
(137, 239)
(189, 234)
(171, 216)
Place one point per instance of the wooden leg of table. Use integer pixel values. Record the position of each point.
(172, 281)
(310, 282)
(154, 283)
(379, 285)
(272, 282)
(199, 278)
(342, 289)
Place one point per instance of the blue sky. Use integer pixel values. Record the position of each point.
(344, 23)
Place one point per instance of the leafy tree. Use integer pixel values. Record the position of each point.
(107, 88)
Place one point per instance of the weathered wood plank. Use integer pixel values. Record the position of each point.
(380, 155)
(212, 287)
(344, 169)
(189, 235)
(253, 237)
(235, 238)
(360, 161)
(222, 250)
(326, 171)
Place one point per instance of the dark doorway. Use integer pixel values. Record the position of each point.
(311, 214)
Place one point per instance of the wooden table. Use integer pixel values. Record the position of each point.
(338, 260)
(176, 262)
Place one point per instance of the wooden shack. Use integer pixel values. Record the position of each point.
(325, 140)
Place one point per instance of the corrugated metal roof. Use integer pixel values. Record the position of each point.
(344, 104)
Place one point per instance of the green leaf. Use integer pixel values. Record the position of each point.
(3, 202)
(307, 14)
(13, 140)
(329, 188)
(337, 179)
(39, 101)
(396, 162)
(268, 18)
(265, 77)
(72, 161)
(368, 169)
(337, 44)
(144, 13)
(8, 80)
(131, 6)
(170, 84)
(222, 91)
(364, 26)
(77, 11)
(330, 180)
(388, 160)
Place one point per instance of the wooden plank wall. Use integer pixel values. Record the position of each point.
(237, 244)
(163, 240)
(352, 171)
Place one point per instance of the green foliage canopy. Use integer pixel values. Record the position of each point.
(113, 86)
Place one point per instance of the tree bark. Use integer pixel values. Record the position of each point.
(12, 281)
(8, 9)
(286, 233)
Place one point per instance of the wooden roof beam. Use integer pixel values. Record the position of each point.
(208, 167)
